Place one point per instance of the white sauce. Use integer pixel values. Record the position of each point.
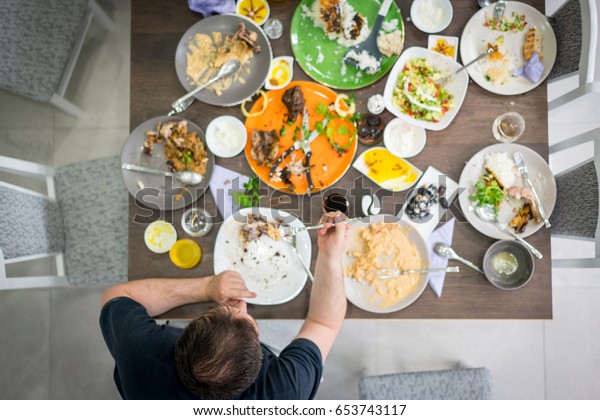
(414, 101)
(227, 138)
(403, 137)
(430, 15)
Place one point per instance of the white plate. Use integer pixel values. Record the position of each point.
(430, 176)
(475, 38)
(396, 184)
(457, 85)
(539, 173)
(275, 278)
(363, 295)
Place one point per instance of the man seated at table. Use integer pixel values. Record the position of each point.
(219, 356)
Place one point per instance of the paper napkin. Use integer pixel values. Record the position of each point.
(442, 234)
(223, 183)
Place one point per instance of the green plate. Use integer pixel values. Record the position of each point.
(306, 40)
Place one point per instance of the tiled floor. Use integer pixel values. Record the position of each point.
(52, 347)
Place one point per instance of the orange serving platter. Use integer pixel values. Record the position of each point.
(327, 165)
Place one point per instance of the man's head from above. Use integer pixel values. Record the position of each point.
(218, 356)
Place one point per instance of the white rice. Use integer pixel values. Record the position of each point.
(347, 12)
(364, 60)
(390, 26)
(502, 167)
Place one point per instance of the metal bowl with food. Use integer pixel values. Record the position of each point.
(508, 265)
(213, 41)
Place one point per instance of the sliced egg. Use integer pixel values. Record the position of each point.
(281, 73)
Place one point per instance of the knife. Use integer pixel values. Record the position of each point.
(522, 167)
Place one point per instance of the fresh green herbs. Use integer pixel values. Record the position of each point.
(282, 131)
(187, 157)
(251, 195)
(488, 191)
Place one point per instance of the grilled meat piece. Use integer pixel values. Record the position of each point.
(533, 43)
(355, 29)
(519, 222)
(526, 195)
(249, 37)
(294, 101)
(265, 146)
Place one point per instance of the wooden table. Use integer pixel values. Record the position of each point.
(157, 27)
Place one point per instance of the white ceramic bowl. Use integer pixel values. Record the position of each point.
(394, 142)
(427, 19)
(457, 85)
(451, 40)
(226, 136)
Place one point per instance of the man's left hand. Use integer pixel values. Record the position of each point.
(228, 285)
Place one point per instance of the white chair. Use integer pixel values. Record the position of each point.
(40, 42)
(81, 221)
(575, 24)
(451, 384)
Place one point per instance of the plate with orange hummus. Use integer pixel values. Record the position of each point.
(384, 243)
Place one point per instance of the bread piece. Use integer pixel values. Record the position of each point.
(533, 42)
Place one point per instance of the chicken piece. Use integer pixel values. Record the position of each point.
(255, 227)
(353, 31)
(294, 101)
(521, 193)
(331, 16)
(533, 43)
(265, 147)
(519, 222)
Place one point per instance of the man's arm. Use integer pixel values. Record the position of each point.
(327, 306)
(161, 295)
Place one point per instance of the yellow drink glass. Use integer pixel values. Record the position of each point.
(185, 253)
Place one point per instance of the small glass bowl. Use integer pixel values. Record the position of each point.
(196, 222)
(509, 127)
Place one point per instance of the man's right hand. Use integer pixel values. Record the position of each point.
(226, 286)
(333, 240)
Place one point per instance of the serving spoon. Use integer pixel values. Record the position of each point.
(370, 44)
(185, 101)
(446, 251)
(187, 177)
(487, 214)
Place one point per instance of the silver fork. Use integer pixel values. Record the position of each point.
(499, 9)
(292, 241)
(287, 231)
(390, 273)
(522, 167)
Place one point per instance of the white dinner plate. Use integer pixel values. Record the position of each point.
(476, 36)
(270, 268)
(539, 173)
(456, 85)
(363, 295)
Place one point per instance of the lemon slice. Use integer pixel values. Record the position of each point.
(341, 106)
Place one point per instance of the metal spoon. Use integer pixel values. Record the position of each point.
(485, 3)
(187, 177)
(390, 273)
(487, 214)
(185, 101)
(446, 251)
(292, 241)
(475, 60)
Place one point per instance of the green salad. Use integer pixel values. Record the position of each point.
(417, 92)
(504, 24)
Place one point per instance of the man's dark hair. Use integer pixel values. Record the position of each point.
(218, 356)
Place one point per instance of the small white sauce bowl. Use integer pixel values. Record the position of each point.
(420, 20)
(399, 125)
(238, 138)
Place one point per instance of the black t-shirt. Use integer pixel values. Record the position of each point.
(144, 354)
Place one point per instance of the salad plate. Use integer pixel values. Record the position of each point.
(539, 173)
(321, 58)
(478, 33)
(426, 105)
